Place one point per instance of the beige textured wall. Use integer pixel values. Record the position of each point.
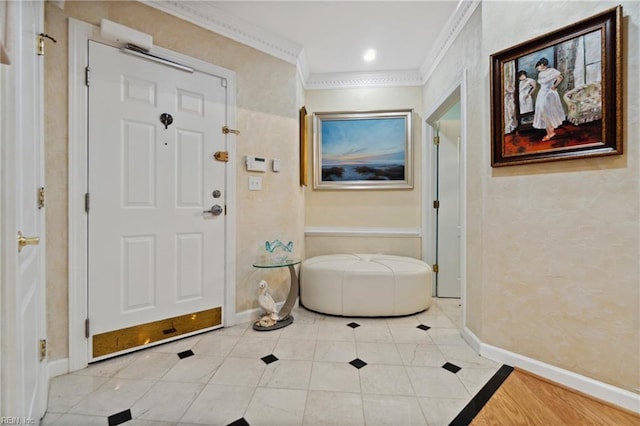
(267, 91)
(553, 248)
(466, 54)
(399, 246)
(399, 208)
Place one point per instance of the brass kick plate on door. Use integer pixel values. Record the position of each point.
(143, 334)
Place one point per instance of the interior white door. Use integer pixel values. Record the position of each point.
(449, 220)
(156, 239)
(24, 368)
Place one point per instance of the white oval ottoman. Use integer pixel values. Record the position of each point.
(365, 285)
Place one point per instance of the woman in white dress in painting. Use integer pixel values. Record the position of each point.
(526, 86)
(549, 113)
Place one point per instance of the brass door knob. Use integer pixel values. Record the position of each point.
(26, 241)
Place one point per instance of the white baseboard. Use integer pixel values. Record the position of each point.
(58, 367)
(471, 339)
(602, 391)
(358, 231)
(249, 315)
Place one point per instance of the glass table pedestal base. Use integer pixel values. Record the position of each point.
(279, 324)
(287, 319)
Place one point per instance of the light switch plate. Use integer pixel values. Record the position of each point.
(255, 183)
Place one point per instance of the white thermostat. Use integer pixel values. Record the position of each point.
(256, 164)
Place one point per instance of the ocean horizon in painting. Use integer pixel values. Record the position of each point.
(356, 172)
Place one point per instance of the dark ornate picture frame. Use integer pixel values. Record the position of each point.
(559, 96)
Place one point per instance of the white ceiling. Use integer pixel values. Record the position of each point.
(327, 39)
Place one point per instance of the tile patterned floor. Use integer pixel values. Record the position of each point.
(321, 370)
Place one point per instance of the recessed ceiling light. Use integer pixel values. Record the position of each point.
(369, 55)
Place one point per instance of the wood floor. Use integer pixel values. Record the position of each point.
(524, 399)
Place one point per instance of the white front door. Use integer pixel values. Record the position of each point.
(156, 220)
(24, 368)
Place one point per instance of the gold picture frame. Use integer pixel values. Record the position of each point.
(363, 150)
(304, 160)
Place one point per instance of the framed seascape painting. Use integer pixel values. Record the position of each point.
(559, 96)
(362, 150)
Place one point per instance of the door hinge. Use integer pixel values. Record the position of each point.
(435, 268)
(87, 201)
(86, 328)
(41, 197)
(226, 130)
(436, 140)
(40, 43)
(87, 76)
(223, 82)
(43, 349)
(436, 204)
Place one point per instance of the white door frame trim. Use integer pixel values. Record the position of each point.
(8, 254)
(79, 35)
(8, 227)
(20, 46)
(428, 163)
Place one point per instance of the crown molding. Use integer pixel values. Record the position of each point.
(303, 67)
(450, 32)
(207, 16)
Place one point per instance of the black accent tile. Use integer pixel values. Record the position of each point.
(451, 367)
(269, 359)
(239, 422)
(186, 354)
(119, 418)
(353, 325)
(477, 402)
(358, 363)
(423, 327)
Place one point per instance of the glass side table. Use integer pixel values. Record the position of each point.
(284, 315)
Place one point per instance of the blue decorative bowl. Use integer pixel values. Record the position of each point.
(278, 251)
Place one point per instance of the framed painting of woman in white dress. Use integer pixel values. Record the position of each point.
(559, 96)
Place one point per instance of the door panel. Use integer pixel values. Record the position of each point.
(449, 278)
(189, 266)
(138, 165)
(138, 272)
(153, 252)
(190, 173)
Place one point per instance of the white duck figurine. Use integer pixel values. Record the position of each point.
(266, 302)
